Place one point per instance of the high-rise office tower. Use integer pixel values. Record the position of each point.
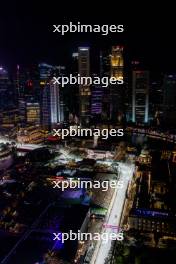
(22, 110)
(17, 81)
(33, 88)
(52, 96)
(105, 71)
(96, 100)
(27, 82)
(6, 91)
(116, 91)
(71, 91)
(56, 101)
(140, 96)
(45, 71)
(169, 98)
(52, 105)
(84, 90)
(156, 100)
(20, 85)
(22, 78)
(28, 94)
(46, 107)
(3, 86)
(117, 63)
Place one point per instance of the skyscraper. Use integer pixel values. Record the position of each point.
(52, 96)
(156, 100)
(52, 105)
(140, 96)
(105, 71)
(117, 62)
(169, 98)
(45, 71)
(56, 104)
(3, 86)
(96, 100)
(5, 89)
(84, 90)
(22, 110)
(116, 91)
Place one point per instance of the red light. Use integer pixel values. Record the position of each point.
(59, 178)
(29, 83)
(53, 138)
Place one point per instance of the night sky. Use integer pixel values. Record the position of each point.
(26, 32)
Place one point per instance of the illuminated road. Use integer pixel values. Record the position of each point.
(126, 174)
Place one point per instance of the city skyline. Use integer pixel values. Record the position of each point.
(87, 132)
(31, 84)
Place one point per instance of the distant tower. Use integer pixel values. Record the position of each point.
(140, 96)
(52, 97)
(84, 90)
(56, 104)
(105, 72)
(52, 105)
(169, 98)
(18, 81)
(117, 62)
(4, 88)
(116, 91)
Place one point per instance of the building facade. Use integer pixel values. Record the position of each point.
(140, 96)
(84, 90)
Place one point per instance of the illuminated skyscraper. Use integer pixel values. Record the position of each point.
(140, 96)
(6, 92)
(169, 98)
(117, 62)
(56, 104)
(22, 110)
(105, 71)
(52, 105)
(45, 71)
(96, 100)
(156, 101)
(84, 90)
(116, 91)
(3, 86)
(52, 96)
